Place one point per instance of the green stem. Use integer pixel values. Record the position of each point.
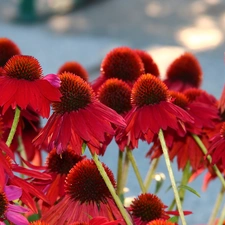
(111, 189)
(216, 207)
(14, 126)
(204, 150)
(184, 180)
(120, 174)
(126, 165)
(172, 179)
(222, 217)
(151, 172)
(136, 171)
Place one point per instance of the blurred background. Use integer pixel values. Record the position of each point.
(56, 31)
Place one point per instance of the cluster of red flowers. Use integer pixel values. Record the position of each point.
(128, 102)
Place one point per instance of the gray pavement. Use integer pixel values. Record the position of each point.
(164, 28)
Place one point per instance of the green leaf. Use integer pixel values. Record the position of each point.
(190, 189)
(174, 219)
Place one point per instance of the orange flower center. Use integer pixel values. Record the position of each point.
(3, 204)
(222, 130)
(192, 94)
(38, 222)
(179, 99)
(148, 90)
(122, 63)
(23, 67)
(115, 94)
(76, 94)
(160, 222)
(85, 184)
(61, 164)
(147, 207)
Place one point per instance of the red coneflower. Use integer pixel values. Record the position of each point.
(149, 64)
(7, 49)
(152, 111)
(222, 102)
(147, 207)
(160, 222)
(184, 147)
(75, 68)
(87, 196)
(79, 118)
(217, 147)
(24, 86)
(115, 94)
(122, 63)
(58, 166)
(183, 73)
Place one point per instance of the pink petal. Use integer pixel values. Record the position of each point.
(13, 192)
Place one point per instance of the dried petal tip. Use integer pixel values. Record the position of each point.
(147, 207)
(85, 184)
(187, 69)
(149, 64)
(23, 67)
(61, 164)
(115, 94)
(76, 94)
(3, 204)
(75, 68)
(122, 63)
(7, 49)
(160, 222)
(149, 90)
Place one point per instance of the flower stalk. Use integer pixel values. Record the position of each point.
(209, 158)
(111, 189)
(136, 170)
(171, 175)
(14, 127)
(119, 189)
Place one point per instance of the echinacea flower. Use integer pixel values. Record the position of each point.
(217, 147)
(122, 63)
(152, 110)
(160, 222)
(75, 68)
(7, 49)
(79, 118)
(24, 86)
(222, 102)
(115, 94)
(205, 114)
(87, 196)
(9, 210)
(149, 65)
(183, 73)
(147, 207)
(58, 166)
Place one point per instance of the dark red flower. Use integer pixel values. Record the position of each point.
(87, 196)
(115, 94)
(183, 73)
(122, 63)
(79, 118)
(222, 102)
(148, 207)
(152, 111)
(7, 49)
(149, 65)
(58, 166)
(24, 86)
(75, 68)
